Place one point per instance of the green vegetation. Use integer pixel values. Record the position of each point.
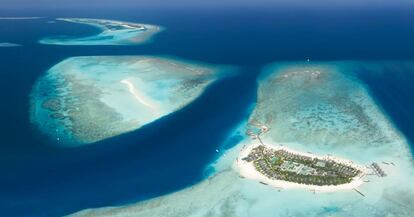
(283, 165)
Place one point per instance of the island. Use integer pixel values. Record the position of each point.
(82, 100)
(285, 168)
(111, 33)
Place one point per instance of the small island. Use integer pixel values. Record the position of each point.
(112, 32)
(285, 168)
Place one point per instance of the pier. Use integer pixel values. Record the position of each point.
(359, 192)
(377, 169)
(260, 140)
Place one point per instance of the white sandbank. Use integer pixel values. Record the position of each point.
(247, 170)
(138, 95)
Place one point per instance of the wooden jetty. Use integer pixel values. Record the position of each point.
(359, 192)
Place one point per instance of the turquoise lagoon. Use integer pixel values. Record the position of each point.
(112, 33)
(318, 107)
(83, 100)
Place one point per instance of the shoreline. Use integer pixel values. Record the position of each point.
(247, 170)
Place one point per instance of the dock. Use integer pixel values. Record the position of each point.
(377, 169)
(263, 183)
(260, 140)
(359, 192)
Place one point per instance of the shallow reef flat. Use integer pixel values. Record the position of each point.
(322, 108)
(86, 99)
(19, 18)
(9, 44)
(112, 33)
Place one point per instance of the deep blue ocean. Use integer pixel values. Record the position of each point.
(40, 179)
